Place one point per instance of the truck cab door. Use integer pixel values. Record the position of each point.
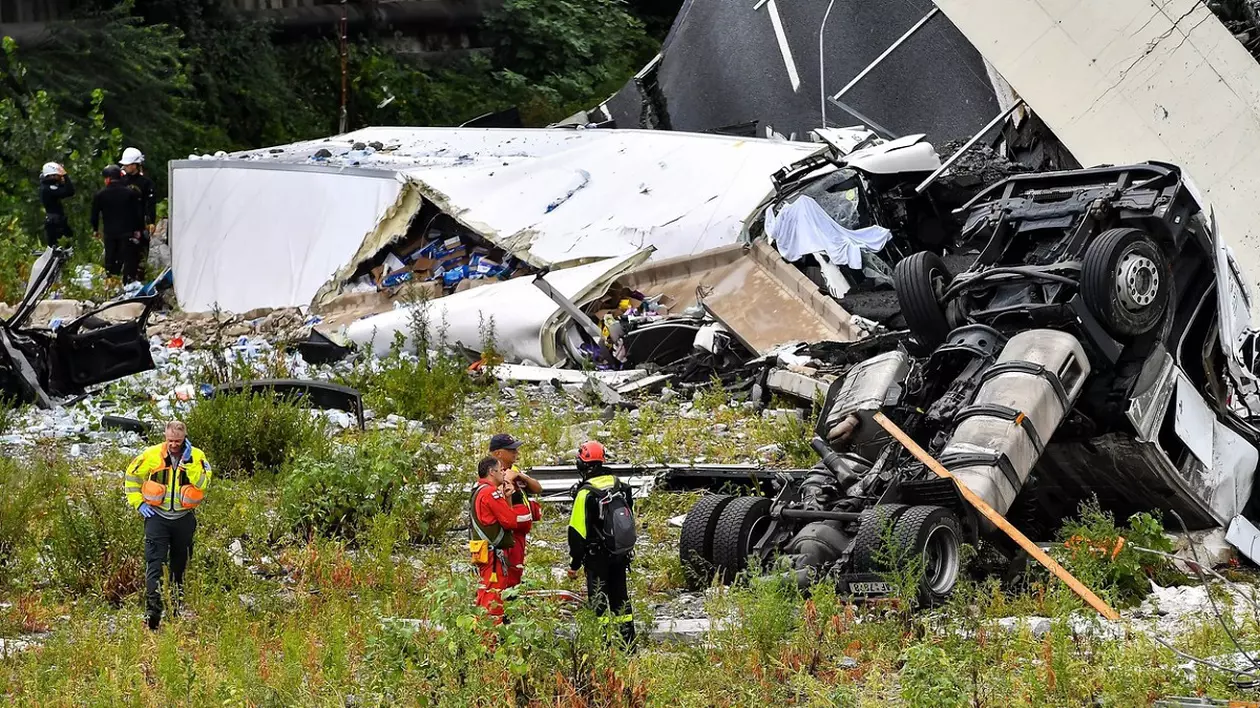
(93, 350)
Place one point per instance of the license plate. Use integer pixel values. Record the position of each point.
(871, 588)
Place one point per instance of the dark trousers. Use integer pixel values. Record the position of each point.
(122, 256)
(57, 231)
(165, 538)
(608, 594)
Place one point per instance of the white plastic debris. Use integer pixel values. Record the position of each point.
(83, 276)
(237, 552)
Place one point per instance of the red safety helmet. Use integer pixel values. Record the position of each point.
(591, 451)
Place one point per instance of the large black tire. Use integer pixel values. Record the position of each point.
(1128, 300)
(919, 280)
(930, 532)
(872, 528)
(695, 548)
(934, 532)
(732, 542)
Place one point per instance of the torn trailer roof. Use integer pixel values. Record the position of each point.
(276, 227)
(715, 310)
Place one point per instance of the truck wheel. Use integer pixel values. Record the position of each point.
(920, 279)
(741, 524)
(695, 548)
(932, 532)
(872, 528)
(1125, 281)
(928, 532)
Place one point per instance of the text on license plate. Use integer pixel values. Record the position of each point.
(871, 588)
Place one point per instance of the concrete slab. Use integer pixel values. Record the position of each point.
(685, 630)
(520, 373)
(1127, 81)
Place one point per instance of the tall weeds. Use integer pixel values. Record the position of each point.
(251, 432)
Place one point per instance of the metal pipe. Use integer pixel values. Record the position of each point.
(866, 121)
(832, 461)
(345, 67)
(968, 145)
(814, 515)
(861, 75)
(822, 64)
(570, 308)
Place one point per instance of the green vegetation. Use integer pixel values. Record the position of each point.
(341, 495)
(351, 587)
(250, 432)
(428, 388)
(1103, 555)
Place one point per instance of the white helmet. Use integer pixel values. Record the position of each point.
(49, 169)
(132, 156)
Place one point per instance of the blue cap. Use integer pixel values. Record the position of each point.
(503, 441)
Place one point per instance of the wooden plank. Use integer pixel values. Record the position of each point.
(998, 520)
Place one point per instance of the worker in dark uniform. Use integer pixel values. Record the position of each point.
(122, 211)
(133, 174)
(55, 186)
(602, 537)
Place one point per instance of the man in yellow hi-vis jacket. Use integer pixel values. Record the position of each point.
(165, 483)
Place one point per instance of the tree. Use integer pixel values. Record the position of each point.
(139, 70)
(570, 51)
(34, 130)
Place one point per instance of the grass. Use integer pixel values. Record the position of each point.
(306, 617)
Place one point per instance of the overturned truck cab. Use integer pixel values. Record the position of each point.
(1091, 349)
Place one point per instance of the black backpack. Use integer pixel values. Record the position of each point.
(616, 520)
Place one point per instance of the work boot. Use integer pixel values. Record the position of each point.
(154, 620)
(629, 638)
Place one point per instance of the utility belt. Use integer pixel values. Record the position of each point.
(482, 549)
(483, 552)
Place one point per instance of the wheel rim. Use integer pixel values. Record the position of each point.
(937, 278)
(1137, 281)
(940, 558)
(756, 531)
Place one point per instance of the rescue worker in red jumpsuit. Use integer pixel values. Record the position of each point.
(503, 447)
(495, 521)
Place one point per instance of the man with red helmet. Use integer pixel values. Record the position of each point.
(602, 537)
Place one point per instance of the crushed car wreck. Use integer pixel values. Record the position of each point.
(1088, 349)
(107, 343)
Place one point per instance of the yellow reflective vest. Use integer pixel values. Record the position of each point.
(580, 541)
(191, 469)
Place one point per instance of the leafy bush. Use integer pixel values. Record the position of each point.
(96, 541)
(767, 611)
(430, 391)
(932, 679)
(246, 433)
(1092, 551)
(383, 474)
(542, 657)
(428, 387)
(567, 51)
